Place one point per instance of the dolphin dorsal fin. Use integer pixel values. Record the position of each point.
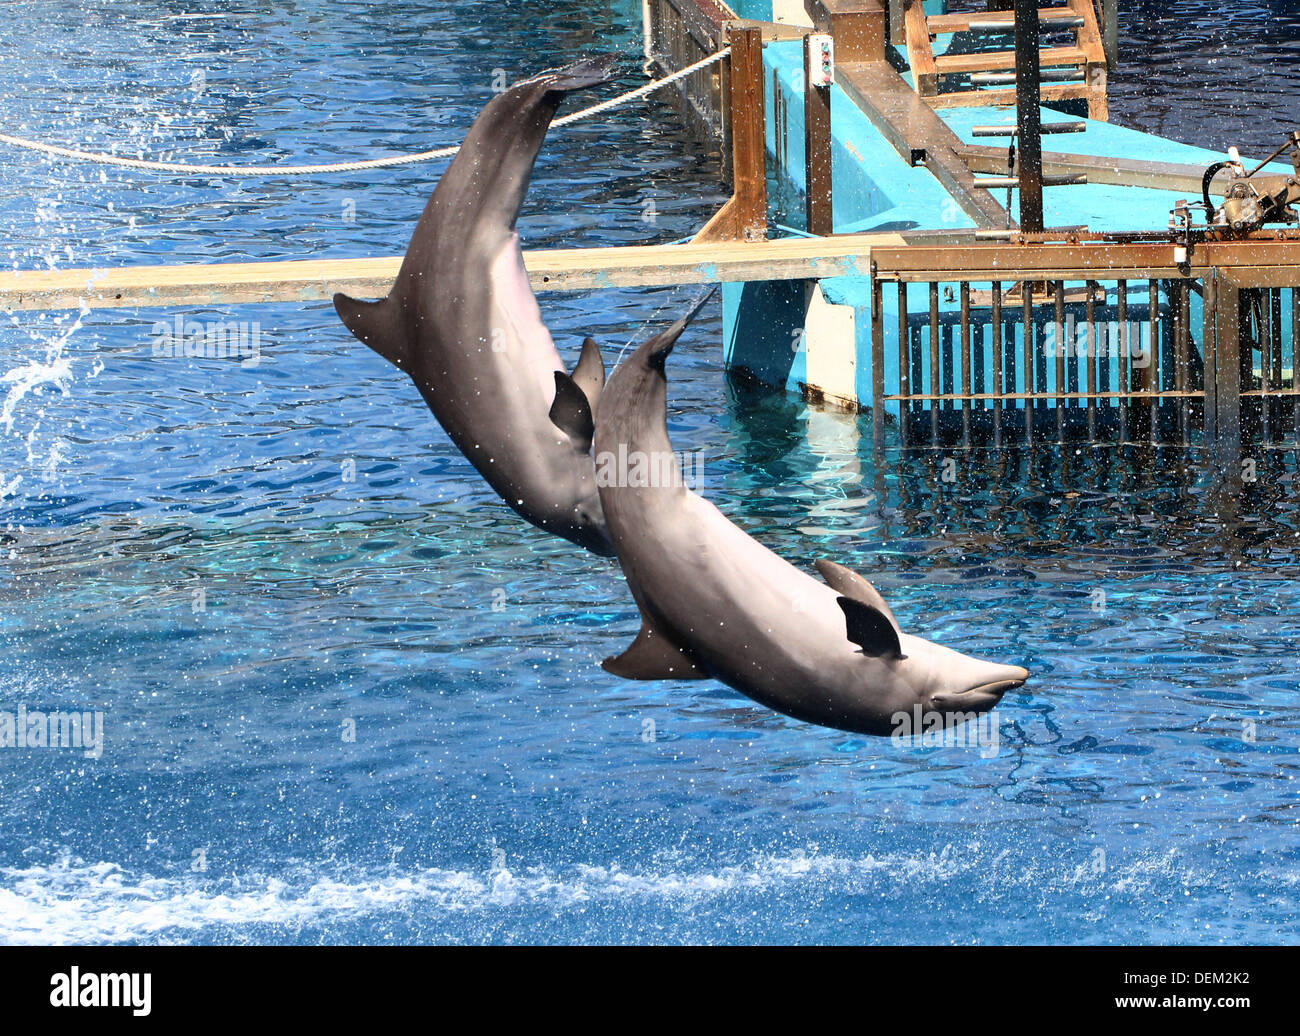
(590, 371)
(653, 656)
(868, 627)
(571, 412)
(847, 582)
(378, 324)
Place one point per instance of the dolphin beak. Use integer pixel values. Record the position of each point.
(999, 680)
(1008, 679)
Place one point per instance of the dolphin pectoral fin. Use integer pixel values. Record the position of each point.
(375, 323)
(571, 413)
(653, 656)
(868, 627)
(847, 582)
(590, 371)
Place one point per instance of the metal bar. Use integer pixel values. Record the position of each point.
(817, 150)
(1295, 359)
(1029, 115)
(1276, 320)
(1125, 364)
(1265, 359)
(1027, 375)
(1090, 357)
(904, 364)
(1062, 347)
(877, 367)
(957, 397)
(1046, 127)
(965, 362)
(1209, 318)
(1048, 75)
(1184, 352)
(1151, 374)
(998, 384)
(1227, 334)
(934, 360)
(1054, 23)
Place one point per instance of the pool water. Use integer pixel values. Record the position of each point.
(349, 697)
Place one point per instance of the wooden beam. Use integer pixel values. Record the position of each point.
(1005, 60)
(920, 51)
(313, 280)
(917, 134)
(859, 27)
(819, 208)
(748, 143)
(1104, 261)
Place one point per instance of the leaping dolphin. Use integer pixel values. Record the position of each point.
(716, 603)
(463, 322)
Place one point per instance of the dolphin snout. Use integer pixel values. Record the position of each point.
(994, 684)
(1008, 678)
(984, 688)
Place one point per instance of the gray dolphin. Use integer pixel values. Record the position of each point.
(716, 603)
(463, 322)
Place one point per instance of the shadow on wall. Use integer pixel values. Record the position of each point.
(766, 322)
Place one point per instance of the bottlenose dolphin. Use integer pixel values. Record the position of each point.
(716, 603)
(462, 321)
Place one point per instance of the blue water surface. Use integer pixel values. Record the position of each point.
(349, 697)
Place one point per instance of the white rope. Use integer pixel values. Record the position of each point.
(339, 167)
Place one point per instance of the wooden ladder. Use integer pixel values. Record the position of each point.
(1077, 70)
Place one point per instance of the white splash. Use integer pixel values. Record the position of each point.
(74, 902)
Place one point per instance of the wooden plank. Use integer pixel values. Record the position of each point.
(1089, 36)
(914, 130)
(1103, 261)
(1007, 98)
(573, 269)
(819, 205)
(920, 52)
(721, 225)
(1001, 60)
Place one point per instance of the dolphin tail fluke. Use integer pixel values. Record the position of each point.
(378, 324)
(589, 374)
(662, 344)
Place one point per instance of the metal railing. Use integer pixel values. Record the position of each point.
(1095, 340)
